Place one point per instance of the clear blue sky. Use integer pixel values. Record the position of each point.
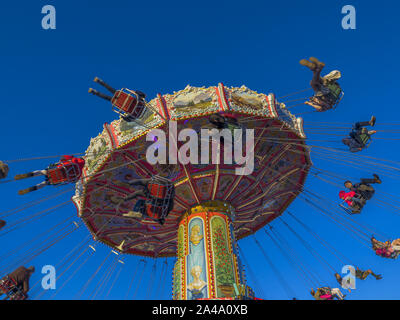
(161, 46)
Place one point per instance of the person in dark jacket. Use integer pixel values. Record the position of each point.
(225, 121)
(364, 187)
(359, 274)
(3, 170)
(19, 279)
(327, 91)
(2, 224)
(360, 135)
(155, 198)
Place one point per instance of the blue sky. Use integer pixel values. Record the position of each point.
(160, 47)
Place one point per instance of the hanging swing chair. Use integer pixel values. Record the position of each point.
(9, 287)
(129, 104)
(61, 173)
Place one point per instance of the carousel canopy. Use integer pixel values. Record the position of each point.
(118, 155)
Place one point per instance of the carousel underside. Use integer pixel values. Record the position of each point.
(118, 154)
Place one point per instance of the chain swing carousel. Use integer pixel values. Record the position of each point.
(213, 206)
(196, 213)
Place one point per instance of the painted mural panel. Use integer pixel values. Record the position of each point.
(244, 99)
(196, 264)
(204, 187)
(97, 152)
(181, 243)
(185, 193)
(236, 253)
(193, 100)
(225, 182)
(177, 281)
(224, 272)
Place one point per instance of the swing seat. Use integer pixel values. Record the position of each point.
(382, 252)
(395, 255)
(326, 297)
(155, 212)
(157, 209)
(158, 191)
(17, 295)
(332, 99)
(357, 207)
(63, 174)
(331, 95)
(160, 188)
(6, 284)
(161, 194)
(365, 139)
(128, 104)
(9, 287)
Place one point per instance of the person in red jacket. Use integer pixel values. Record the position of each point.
(347, 197)
(2, 224)
(387, 249)
(356, 203)
(327, 293)
(67, 170)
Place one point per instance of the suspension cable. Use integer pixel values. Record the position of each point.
(309, 248)
(254, 278)
(132, 280)
(285, 285)
(151, 280)
(93, 275)
(140, 279)
(297, 268)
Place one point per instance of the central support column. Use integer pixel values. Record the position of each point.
(208, 264)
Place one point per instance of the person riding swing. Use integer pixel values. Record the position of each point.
(359, 274)
(353, 200)
(155, 199)
(359, 193)
(327, 293)
(16, 284)
(327, 91)
(3, 170)
(388, 249)
(130, 104)
(67, 170)
(225, 121)
(360, 136)
(364, 187)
